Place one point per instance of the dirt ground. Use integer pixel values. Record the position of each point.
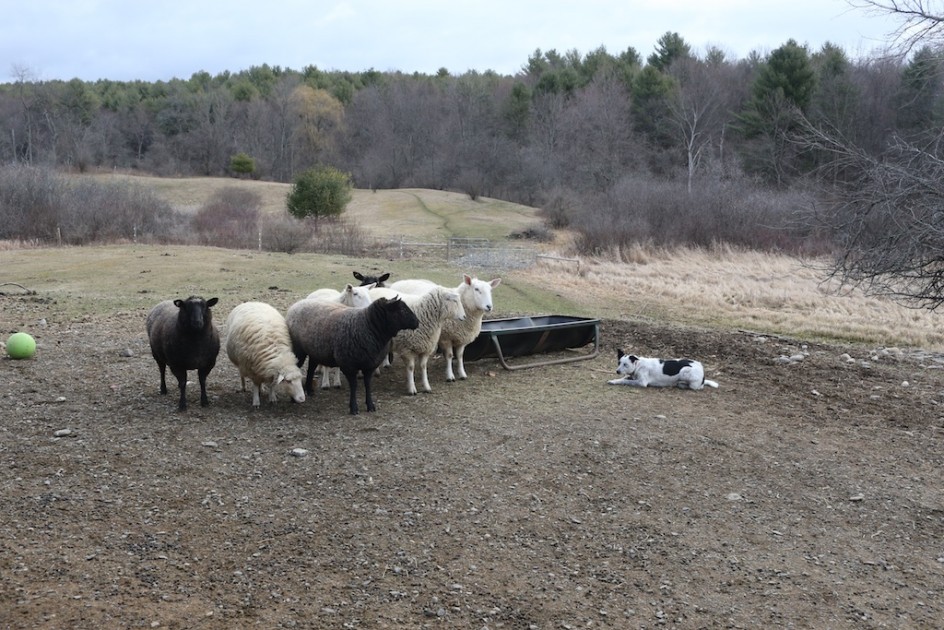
(802, 494)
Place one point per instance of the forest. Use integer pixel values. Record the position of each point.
(677, 147)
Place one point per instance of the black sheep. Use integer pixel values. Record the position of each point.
(183, 337)
(377, 281)
(353, 339)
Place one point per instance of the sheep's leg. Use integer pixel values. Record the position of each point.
(337, 377)
(325, 377)
(272, 397)
(368, 396)
(163, 369)
(202, 375)
(352, 385)
(181, 376)
(447, 355)
(424, 375)
(460, 363)
(255, 394)
(309, 377)
(410, 367)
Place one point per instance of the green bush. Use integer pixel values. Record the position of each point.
(242, 164)
(320, 192)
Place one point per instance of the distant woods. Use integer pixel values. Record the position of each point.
(680, 147)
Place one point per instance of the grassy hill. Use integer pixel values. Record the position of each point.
(724, 288)
(426, 215)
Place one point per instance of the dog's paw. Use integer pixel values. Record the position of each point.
(615, 381)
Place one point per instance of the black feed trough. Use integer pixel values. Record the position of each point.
(522, 336)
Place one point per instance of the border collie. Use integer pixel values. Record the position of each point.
(646, 372)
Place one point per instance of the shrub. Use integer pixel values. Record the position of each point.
(230, 218)
(39, 204)
(242, 164)
(285, 234)
(320, 192)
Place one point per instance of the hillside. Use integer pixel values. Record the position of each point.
(428, 215)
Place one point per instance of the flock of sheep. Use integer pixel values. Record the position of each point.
(353, 331)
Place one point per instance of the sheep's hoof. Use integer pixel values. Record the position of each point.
(451, 380)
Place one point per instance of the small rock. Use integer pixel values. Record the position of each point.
(815, 393)
(905, 384)
(127, 353)
(299, 452)
(62, 433)
(733, 496)
(857, 497)
(210, 444)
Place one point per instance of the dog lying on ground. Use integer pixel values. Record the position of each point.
(646, 372)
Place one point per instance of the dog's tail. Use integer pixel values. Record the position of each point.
(711, 383)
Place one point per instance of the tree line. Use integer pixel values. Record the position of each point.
(677, 147)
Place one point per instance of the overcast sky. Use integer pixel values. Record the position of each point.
(162, 39)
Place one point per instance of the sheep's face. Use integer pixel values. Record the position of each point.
(359, 297)
(481, 292)
(291, 381)
(400, 315)
(194, 312)
(454, 305)
(374, 280)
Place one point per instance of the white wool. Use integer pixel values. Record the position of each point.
(476, 298)
(350, 296)
(433, 309)
(258, 344)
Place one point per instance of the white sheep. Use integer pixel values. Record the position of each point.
(456, 335)
(433, 309)
(258, 344)
(350, 296)
(356, 297)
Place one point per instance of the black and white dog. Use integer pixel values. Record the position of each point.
(643, 372)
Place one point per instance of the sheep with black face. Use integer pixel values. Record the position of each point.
(183, 337)
(353, 339)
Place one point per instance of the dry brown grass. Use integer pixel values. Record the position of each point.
(740, 289)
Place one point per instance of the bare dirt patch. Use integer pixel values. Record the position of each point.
(804, 494)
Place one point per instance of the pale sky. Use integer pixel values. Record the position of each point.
(155, 40)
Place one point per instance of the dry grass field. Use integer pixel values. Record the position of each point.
(805, 492)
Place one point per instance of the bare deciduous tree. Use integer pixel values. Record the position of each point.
(887, 210)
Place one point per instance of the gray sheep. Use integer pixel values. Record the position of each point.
(183, 337)
(353, 339)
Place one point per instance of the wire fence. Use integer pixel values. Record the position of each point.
(463, 252)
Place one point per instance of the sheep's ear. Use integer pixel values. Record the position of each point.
(280, 379)
(358, 275)
(384, 277)
(467, 278)
(370, 286)
(212, 302)
(178, 303)
(349, 288)
(495, 282)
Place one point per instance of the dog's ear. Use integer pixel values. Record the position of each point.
(619, 353)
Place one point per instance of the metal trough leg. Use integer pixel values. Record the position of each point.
(582, 357)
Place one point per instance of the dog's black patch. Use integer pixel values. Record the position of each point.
(673, 366)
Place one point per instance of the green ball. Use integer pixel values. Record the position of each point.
(21, 346)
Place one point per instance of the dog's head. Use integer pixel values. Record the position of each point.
(626, 363)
